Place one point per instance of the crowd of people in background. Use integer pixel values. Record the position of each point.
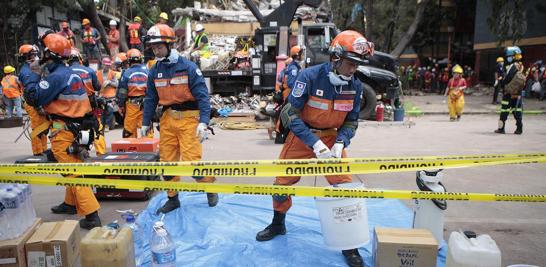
(431, 78)
(535, 86)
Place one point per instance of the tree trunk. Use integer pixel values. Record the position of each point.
(122, 30)
(369, 20)
(90, 9)
(408, 36)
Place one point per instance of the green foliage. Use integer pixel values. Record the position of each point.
(149, 10)
(508, 20)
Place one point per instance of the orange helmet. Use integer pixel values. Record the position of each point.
(295, 50)
(134, 55)
(27, 49)
(120, 58)
(85, 22)
(352, 46)
(161, 33)
(56, 45)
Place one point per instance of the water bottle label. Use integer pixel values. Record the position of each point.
(164, 257)
(11, 203)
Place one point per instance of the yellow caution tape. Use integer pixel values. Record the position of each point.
(264, 168)
(249, 189)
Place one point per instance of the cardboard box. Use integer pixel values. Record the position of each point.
(136, 145)
(12, 252)
(54, 244)
(394, 247)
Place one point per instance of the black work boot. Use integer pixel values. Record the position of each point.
(519, 128)
(276, 228)
(353, 258)
(212, 199)
(90, 221)
(500, 131)
(64, 208)
(171, 204)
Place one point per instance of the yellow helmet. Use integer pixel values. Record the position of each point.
(500, 59)
(517, 57)
(137, 19)
(8, 69)
(457, 69)
(164, 16)
(85, 22)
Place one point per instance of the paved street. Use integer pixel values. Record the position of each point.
(518, 228)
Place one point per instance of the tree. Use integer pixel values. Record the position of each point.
(508, 20)
(122, 33)
(408, 36)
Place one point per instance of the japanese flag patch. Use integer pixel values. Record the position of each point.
(298, 89)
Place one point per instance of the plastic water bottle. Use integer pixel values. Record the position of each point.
(163, 249)
(23, 222)
(12, 205)
(137, 235)
(3, 221)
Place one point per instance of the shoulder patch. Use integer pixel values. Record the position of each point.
(298, 89)
(44, 84)
(198, 72)
(294, 72)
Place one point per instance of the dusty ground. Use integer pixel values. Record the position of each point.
(518, 228)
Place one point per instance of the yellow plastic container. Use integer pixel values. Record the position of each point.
(101, 248)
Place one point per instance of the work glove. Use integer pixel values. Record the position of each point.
(201, 132)
(337, 149)
(321, 150)
(144, 130)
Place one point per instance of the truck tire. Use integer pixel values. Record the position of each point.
(369, 101)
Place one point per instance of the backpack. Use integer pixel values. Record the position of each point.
(515, 85)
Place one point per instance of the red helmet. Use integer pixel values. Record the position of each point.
(56, 44)
(161, 33)
(134, 55)
(106, 61)
(352, 46)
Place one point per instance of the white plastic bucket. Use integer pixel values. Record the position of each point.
(344, 221)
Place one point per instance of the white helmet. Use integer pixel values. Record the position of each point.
(113, 23)
(199, 27)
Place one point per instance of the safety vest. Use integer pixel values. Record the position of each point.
(72, 102)
(198, 42)
(137, 84)
(11, 87)
(134, 37)
(88, 37)
(69, 35)
(174, 90)
(108, 91)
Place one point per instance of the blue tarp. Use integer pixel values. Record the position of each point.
(225, 235)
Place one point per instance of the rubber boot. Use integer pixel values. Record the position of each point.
(353, 258)
(212, 198)
(519, 128)
(171, 204)
(90, 221)
(64, 208)
(276, 228)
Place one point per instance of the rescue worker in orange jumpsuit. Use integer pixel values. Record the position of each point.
(113, 38)
(135, 31)
(11, 92)
(92, 86)
(322, 115)
(38, 121)
(289, 75)
(62, 95)
(455, 94)
(131, 91)
(178, 85)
